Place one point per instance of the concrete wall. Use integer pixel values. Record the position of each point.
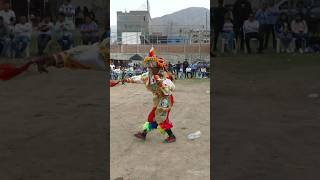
(193, 48)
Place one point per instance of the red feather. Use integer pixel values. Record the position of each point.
(113, 83)
(8, 71)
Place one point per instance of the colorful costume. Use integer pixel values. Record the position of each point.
(82, 57)
(159, 81)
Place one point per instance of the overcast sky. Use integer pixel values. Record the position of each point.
(157, 7)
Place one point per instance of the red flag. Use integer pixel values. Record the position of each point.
(8, 71)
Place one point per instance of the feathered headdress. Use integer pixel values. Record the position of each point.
(153, 61)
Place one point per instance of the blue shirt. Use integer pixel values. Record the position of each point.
(263, 16)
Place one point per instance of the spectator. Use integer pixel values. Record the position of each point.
(44, 34)
(251, 30)
(266, 25)
(78, 16)
(301, 9)
(193, 70)
(22, 32)
(7, 14)
(227, 32)
(170, 67)
(68, 9)
(178, 66)
(185, 65)
(189, 71)
(241, 12)
(218, 19)
(89, 31)
(86, 11)
(203, 71)
(299, 28)
(64, 30)
(283, 32)
(4, 36)
(272, 20)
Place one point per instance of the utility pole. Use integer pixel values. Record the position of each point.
(206, 21)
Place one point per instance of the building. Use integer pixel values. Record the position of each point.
(134, 22)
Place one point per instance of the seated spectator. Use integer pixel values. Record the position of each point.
(7, 14)
(4, 36)
(227, 32)
(251, 30)
(68, 9)
(203, 72)
(22, 33)
(44, 34)
(64, 30)
(89, 31)
(283, 32)
(299, 28)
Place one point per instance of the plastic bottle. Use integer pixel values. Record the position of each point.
(194, 135)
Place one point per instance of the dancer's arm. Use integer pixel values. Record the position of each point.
(140, 79)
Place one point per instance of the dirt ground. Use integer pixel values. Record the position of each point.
(53, 126)
(133, 159)
(265, 126)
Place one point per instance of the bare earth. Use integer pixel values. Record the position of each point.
(265, 126)
(133, 159)
(53, 126)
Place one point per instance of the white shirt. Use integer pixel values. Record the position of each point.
(64, 28)
(251, 26)
(112, 66)
(23, 29)
(68, 10)
(49, 26)
(7, 16)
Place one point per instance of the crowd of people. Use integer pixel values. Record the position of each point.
(184, 70)
(240, 24)
(15, 32)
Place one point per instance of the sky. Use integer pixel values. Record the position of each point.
(158, 8)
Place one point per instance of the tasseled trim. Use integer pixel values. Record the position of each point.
(8, 71)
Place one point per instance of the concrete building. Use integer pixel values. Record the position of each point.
(133, 21)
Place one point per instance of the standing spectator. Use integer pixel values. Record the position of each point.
(178, 66)
(251, 30)
(78, 16)
(193, 70)
(170, 67)
(283, 32)
(68, 9)
(241, 12)
(218, 20)
(185, 65)
(227, 32)
(22, 31)
(86, 11)
(4, 36)
(263, 16)
(7, 14)
(301, 9)
(44, 34)
(271, 22)
(89, 31)
(64, 30)
(299, 28)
